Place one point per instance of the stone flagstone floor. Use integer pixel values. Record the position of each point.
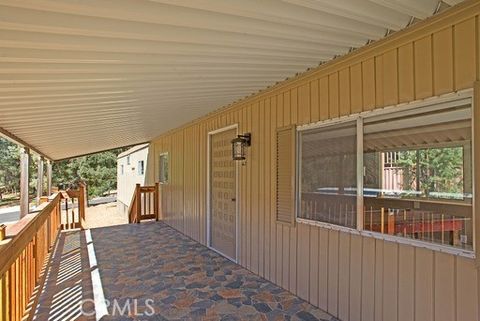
(184, 280)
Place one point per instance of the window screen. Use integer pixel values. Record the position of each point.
(328, 179)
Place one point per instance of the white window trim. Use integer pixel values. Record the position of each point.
(431, 104)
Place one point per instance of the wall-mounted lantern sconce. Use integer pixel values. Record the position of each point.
(239, 146)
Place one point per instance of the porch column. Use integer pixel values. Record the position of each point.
(49, 177)
(24, 164)
(39, 179)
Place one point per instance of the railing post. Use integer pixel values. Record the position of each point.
(39, 179)
(138, 213)
(49, 177)
(156, 202)
(81, 204)
(24, 177)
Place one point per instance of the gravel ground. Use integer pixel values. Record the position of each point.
(104, 215)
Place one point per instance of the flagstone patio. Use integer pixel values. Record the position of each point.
(153, 272)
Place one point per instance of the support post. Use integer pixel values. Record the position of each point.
(49, 177)
(39, 179)
(24, 178)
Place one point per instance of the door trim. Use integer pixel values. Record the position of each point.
(209, 211)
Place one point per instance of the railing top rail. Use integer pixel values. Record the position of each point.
(21, 233)
(147, 189)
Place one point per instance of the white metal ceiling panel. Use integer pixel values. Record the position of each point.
(78, 77)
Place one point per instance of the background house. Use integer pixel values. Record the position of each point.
(131, 167)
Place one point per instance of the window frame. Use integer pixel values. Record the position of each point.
(163, 154)
(141, 166)
(412, 108)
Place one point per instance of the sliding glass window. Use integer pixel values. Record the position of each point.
(328, 184)
(418, 176)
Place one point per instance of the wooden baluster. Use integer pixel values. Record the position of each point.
(139, 203)
(73, 214)
(371, 218)
(4, 296)
(443, 228)
(382, 220)
(66, 215)
(404, 223)
(391, 223)
(431, 226)
(156, 201)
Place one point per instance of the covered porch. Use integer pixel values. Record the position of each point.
(193, 80)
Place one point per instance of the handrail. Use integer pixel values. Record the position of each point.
(149, 197)
(22, 256)
(81, 195)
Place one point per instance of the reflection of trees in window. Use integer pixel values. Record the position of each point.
(433, 171)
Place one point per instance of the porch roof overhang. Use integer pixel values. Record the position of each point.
(78, 77)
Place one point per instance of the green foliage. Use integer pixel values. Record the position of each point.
(437, 169)
(9, 166)
(98, 170)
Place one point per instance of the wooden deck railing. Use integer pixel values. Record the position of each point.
(23, 254)
(145, 204)
(79, 196)
(440, 222)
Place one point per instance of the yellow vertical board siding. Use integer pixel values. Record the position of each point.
(467, 289)
(444, 288)
(304, 104)
(285, 102)
(314, 101)
(443, 61)
(333, 275)
(390, 77)
(368, 84)
(356, 89)
(333, 92)
(324, 98)
(406, 80)
(261, 190)
(465, 53)
(303, 262)
(294, 106)
(273, 185)
(379, 81)
(369, 279)
(254, 189)
(423, 62)
(280, 279)
(344, 94)
(248, 193)
(390, 281)
(424, 284)
(476, 126)
(243, 199)
(379, 269)
(322, 245)
(355, 288)
(406, 286)
(313, 268)
(286, 262)
(267, 190)
(344, 276)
